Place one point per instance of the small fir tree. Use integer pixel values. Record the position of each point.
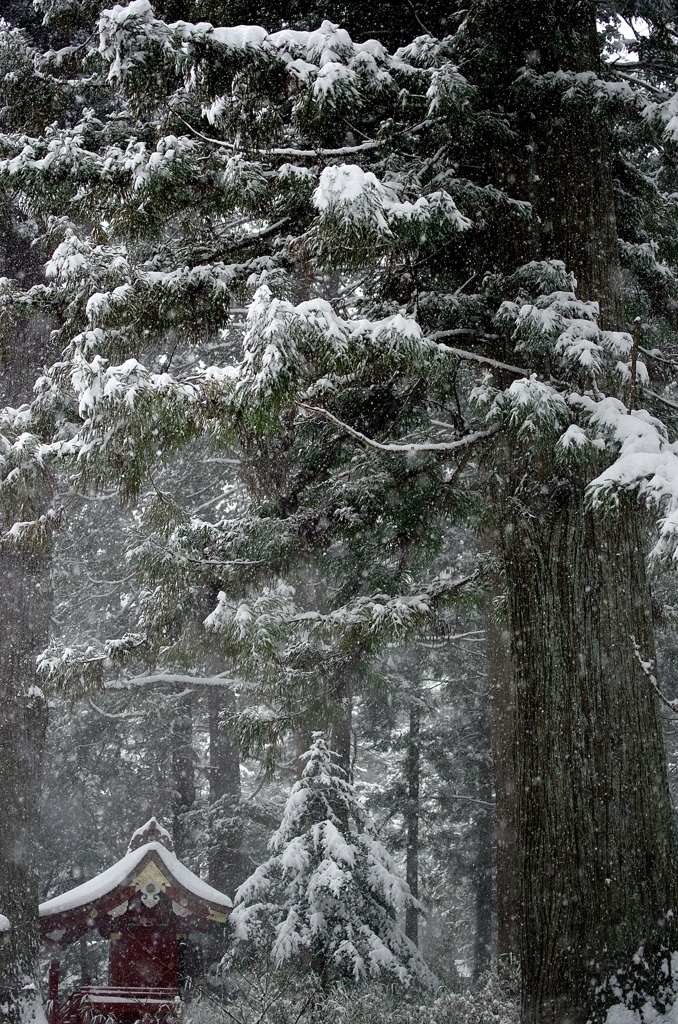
(329, 894)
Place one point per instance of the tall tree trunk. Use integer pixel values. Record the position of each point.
(183, 773)
(501, 693)
(341, 728)
(226, 862)
(558, 156)
(485, 846)
(594, 816)
(302, 742)
(24, 604)
(412, 817)
(595, 835)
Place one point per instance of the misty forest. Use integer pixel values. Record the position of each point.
(338, 512)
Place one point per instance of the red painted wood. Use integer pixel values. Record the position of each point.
(145, 958)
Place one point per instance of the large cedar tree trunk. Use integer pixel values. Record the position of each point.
(594, 818)
(596, 842)
(485, 852)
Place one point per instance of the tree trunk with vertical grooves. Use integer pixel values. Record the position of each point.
(183, 773)
(501, 692)
(226, 862)
(485, 848)
(558, 156)
(595, 830)
(412, 818)
(596, 842)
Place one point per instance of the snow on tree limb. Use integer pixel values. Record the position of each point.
(469, 441)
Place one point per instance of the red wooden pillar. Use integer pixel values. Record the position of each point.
(53, 991)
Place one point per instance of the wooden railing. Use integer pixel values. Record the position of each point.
(100, 1005)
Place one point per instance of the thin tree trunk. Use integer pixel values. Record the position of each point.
(485, 847)
(24, 603)
(412, 818)
(226, 865)
(183, 774)
(501, 693)
(302, 742)
(25, 606)
(341, 731)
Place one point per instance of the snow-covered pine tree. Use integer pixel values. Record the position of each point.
(329, 895)
(300, 514)
(344, 185)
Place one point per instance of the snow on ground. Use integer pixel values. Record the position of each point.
(620, 1014)
(647, 1014)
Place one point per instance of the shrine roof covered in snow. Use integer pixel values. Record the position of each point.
(151, 870)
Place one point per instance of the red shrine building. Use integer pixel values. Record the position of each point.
(147, 905)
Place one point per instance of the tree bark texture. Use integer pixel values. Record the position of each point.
(594, 828)
(226, 862)
(412, 818)
(183, 773)
(501, 692)
(485, 858)
(594, 816)
(558, 156)
(24, 607)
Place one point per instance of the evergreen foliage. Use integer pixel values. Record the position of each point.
(329, 894)
(405, 229)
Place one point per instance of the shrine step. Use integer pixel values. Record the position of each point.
(119, 1005)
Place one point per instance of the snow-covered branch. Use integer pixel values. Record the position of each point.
(302, 154)
(473, 357)
(165, 678)
(404, 449)
(648, 668)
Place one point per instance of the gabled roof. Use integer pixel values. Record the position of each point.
(147, 866)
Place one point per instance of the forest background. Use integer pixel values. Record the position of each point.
(374, 342)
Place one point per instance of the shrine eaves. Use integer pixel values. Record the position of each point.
(145, 904)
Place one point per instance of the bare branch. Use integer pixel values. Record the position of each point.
(468, 799)
(403, 449)
(648, 671)
(284, 150)
(641, 83)
(108, 714)
(474, 357)
(660, 398)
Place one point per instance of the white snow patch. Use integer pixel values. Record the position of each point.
(619, 1013)
(118, 874)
